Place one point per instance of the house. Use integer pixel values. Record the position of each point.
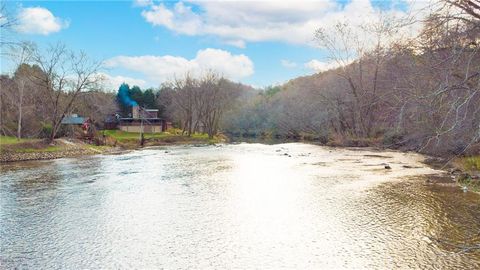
(73, 119)
(111, 121)
(74, 125)
(142, 120)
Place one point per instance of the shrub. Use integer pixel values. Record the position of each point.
(46, 130)
(393, 138)
(472, 163)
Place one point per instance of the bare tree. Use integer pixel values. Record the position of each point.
(66, 75)
(470, 7)
(218, 94)
(455, 65)
(95, 104)
(7, 21)
(199, 104)
(359, 53)
(183, 101)
(20, 55)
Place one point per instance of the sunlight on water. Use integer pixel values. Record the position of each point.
(234, 206)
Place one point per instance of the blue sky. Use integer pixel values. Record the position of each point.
(146, 42)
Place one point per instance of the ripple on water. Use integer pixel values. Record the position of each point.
(235, 206)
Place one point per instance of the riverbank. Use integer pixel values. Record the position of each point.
(463, 171)
(133, 140)
(12, 150)
(38, 149)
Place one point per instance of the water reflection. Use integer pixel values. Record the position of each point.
(235, 206)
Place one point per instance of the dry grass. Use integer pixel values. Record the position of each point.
(471, 163)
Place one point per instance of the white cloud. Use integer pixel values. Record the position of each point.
(181, 18)
(288, 64)
(236, 43)
(39, 20)
(288, 21)
(113, 82)
(142, 3)
(319, 66)
(161, 68)
(159, 15)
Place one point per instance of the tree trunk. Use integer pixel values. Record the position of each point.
(53, 132)
(20, 110)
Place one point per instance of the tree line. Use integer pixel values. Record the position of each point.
(47, 86)
(194, 104)
(420, 93)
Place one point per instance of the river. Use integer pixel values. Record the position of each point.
(229, 206)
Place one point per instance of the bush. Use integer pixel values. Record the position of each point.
(472, 163)
(46, 130)
(336, 139)
(393, 138)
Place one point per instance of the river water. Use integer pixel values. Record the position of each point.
(235, 206)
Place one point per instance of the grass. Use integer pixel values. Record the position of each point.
(123, 136)
(114, 138)
(10, 143)
(472, 184)
(174, 136)
(26, 145)
(471, 163)
(9, 140)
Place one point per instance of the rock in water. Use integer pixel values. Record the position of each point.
(388, 167)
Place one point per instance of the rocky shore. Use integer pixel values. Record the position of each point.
(39, 150)
(455, 176)
(14, 156)
(63, 148)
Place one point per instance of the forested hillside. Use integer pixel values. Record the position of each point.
(421, 94)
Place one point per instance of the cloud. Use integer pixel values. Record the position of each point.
(319, 66)
(236, 43)
(161, 68)
(288, 21)
(142, 3)
(288, 64)
(180, 19)
(39, 20)
(113, 82)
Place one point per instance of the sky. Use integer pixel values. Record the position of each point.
(145, 42)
